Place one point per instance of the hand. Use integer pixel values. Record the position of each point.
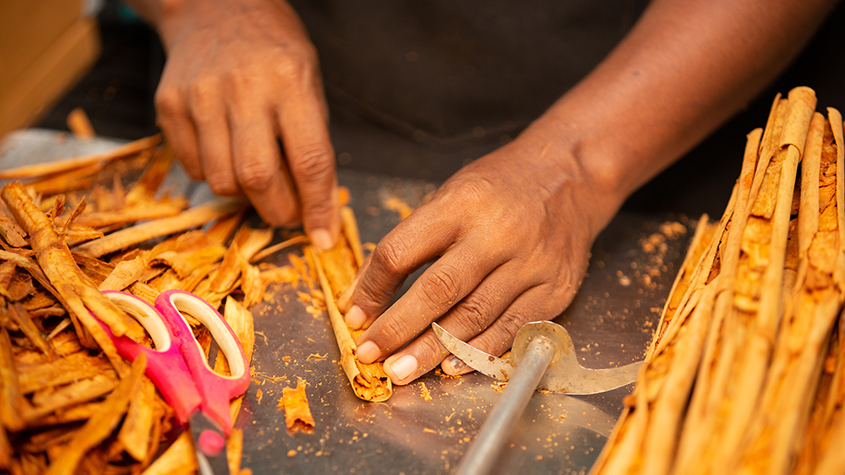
(509, 235)
(239, 76)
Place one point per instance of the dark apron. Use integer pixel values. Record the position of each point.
(455, 73)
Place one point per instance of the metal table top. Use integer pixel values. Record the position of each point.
(611, 322)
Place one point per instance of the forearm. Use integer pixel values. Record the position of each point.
(685, 68)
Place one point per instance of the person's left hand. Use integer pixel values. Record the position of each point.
(509, 236)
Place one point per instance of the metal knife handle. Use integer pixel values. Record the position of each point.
(485, 449)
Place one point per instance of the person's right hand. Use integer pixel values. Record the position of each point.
(239, 76)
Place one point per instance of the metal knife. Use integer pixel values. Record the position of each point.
(542, 356)
(564, 374)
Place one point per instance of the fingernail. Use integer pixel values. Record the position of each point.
(355, 318)
(403, 367)
(455, 364)
(322, 239)
(368, 352)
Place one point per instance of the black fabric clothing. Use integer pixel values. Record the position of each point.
(451, 73)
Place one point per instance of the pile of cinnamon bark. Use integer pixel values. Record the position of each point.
(68, 402)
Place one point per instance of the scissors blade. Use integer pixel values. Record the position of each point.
(496, 368)
(209, 445)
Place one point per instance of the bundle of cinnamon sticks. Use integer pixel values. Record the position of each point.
(746, 373)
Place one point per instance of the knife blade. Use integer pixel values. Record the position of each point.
(487, 364)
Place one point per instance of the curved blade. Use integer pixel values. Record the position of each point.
(580, 380)
(496, 368)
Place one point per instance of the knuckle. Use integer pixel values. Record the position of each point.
(318, 209)
(430, 350)
(372, 295)
(477, 190)
(394, 333)
(510, 323)
(201, 93)
(256, 175)
(369, 299)
(168, 103)
(299, 61)
(241, 81)
(441, 287)
(475, 311)
(389, 256)
(313, 163)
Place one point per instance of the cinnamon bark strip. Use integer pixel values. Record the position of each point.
(737, 353)
(196, 216)
(77, 413)
(201, 273)
(183, 263)
(44, 169)
(252, 284)
(369, 382)
(825, 430)
(147, 186)
(247, 243)
(19, 288)
(10, 231)
(135, 433)
(21, 317)
(101, 424)
(234, 451)
(7, 272)
(76, 234)
(79, 124)
(297, 412)
(147, 211)
(74, 367)
(11, 398)
(832, 462)
(178, 459)
(77, 392)
(71, 180)
(124, 274)
(268, 251)
(6, 450)
(350, 229)
(826, 418)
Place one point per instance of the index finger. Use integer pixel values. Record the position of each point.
(413, 242)
(310, 156)
(442, 286)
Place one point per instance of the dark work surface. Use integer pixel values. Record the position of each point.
(610, 321)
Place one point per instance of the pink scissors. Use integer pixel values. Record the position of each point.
(199, 396)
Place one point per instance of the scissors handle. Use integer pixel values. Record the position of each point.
(165, 365)
(178, 366)
(215, 390)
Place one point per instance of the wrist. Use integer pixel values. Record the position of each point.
(178, 16)
(567, 163)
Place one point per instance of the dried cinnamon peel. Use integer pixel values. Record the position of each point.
(297, 411)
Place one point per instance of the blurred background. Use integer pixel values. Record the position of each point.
(108, 62)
